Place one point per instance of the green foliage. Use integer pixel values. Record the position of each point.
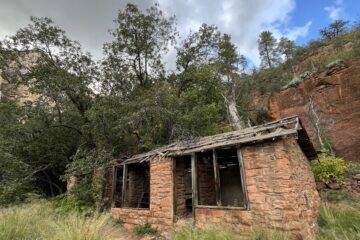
(338, 27)
(339, 222)
(286, 47)
(145, 229)
(267, 46)
(353, 169)
(329, 168)
(294, 82)
(74, 201)
(341, 197)
(334, 63)
(134, 57)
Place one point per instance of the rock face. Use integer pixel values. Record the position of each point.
(334, 97)
(11, 85)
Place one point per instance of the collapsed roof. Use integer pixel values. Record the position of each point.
(269, 131)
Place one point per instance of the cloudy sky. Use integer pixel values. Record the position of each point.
(88, 21)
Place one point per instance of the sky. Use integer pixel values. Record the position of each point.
(88, 21)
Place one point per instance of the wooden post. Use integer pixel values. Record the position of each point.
(242, 176)
(113, 187)
(124, 183)
(194, 182)
(217, 178)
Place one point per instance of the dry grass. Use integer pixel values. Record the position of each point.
(339, 219)
(37, 221)
(187, 231)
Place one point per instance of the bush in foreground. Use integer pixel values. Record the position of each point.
(329, 168)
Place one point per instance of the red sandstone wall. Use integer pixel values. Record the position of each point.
(160, 214)
(337, 100)
(281, 191)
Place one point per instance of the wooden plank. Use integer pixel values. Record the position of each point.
(252, 134)
(233, 142)
(215, 143)
(123, 194)
(243, 179)
(221, 207)
(194, 183)
(113, 187)
(217, 178)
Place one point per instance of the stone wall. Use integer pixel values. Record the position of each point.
(160, 214)
(281, 191)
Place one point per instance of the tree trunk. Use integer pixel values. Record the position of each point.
(233, 111)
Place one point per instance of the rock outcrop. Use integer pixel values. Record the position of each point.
(330, 100)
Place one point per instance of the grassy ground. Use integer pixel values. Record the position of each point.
(40, 220)
(339, 219)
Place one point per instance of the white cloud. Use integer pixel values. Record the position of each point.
(335, 10)
(88, 20)
(243, 19)
(298, 32)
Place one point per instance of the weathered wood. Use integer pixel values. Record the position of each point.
(123, 194)
(194, 184)
(113, 187)
(221, 207)
(217, 178)
(243, 179)
(233, 113)
(272, 130)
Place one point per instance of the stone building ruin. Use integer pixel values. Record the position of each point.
(256, 176)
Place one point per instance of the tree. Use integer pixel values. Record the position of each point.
(55, 125)
(286, 47)
(338, 27)
(230, 62)
(209, 49)
(198, 49)
(134, 57)
(267, 49)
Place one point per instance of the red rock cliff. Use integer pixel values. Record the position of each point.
(336, 100)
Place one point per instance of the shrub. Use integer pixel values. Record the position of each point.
(341, 197)
(141, 230)
(294, 82)
(335, 63)
(67, 203)
(329, 168)
(353, 169)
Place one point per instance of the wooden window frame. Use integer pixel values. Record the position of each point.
(217, 182)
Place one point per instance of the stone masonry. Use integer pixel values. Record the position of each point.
(279, 183)
(160, 213)
(281, 191)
